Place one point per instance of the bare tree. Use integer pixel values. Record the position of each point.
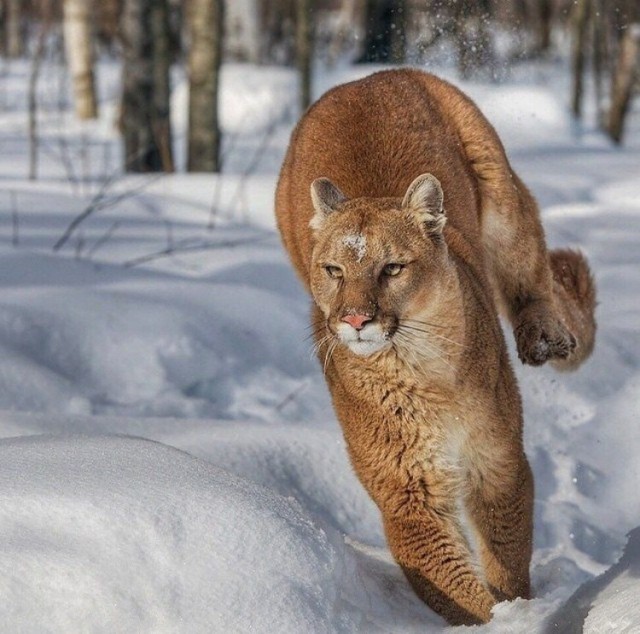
(579, 36)
(45, 7)
(545, 24)
(385, 36)
(473, 40)
(304, 50)
(15, 41)
(600, 55)
(145, 100)
(206, 21)
(626, 73)
(79, 49)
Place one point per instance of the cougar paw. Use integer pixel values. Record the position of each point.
(540, 340)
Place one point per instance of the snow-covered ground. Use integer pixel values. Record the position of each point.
(170, 461)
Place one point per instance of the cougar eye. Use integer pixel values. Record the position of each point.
(392, 269)
(333, 271)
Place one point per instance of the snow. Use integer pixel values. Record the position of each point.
(357, 243)
(170, 460)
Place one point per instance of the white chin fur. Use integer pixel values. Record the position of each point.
(366, 348)
(365, 342)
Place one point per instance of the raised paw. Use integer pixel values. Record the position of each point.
(540, 338)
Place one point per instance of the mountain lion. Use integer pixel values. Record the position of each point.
(404, 219)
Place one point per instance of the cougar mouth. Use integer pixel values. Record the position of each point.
(371, 338)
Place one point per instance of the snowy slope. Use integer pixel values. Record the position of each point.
(171, 460)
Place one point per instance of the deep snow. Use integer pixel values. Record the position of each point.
(244, 514)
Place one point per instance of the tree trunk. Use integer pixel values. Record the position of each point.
(79, 49)
(145, 99)
(205, 57)
(162, 56)
(545, 15)
(384, 32)
(15, 41)
(599, 35)
(624, 77)
(473, 38)
(304, 47)
(580, 23)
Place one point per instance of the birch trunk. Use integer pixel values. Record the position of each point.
(79, 50)
(205, 57)
(624, 76)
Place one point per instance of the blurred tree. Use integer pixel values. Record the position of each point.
(206, 19)
(385, 32)
(15, 41)
(79, 49)
(304, 49)
(145, 115)
(473, 36)
(545, 24)
(625, 75)
(277, 18)
(242, 30)
(579, 27)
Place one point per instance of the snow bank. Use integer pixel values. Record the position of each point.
(123, 534)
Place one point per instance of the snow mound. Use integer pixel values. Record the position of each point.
(609, 603)
(138, 536)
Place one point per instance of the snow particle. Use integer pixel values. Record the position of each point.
(358, 243)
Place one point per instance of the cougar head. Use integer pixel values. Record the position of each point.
(377, 263)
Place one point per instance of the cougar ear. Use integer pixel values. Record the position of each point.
(326, 199)
(424, 200)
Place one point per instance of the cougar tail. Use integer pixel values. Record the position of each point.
(574, 291)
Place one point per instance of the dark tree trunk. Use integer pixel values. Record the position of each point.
(545, 22)
(385, 36)
(15, 41)
(206, 21)
(600, 54)
(579, 28)
(473, 39)
(162, 57)
(145, 100)
(624, 77)
(304, 50)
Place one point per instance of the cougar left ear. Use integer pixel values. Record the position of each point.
(326, 199)
(424, 200)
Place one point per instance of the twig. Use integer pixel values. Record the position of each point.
(99, 202)
(103, 239)
(187, 248)
(229, 146)
(15, 220)
(291, 396)
(79, 245)
(258, 154)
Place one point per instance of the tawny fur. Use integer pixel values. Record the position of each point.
(432, 416)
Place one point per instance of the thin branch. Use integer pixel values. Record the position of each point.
(190, 248)
(100, 202)
(103, 239)
(15, 220)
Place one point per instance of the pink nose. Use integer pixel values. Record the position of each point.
(357, 321)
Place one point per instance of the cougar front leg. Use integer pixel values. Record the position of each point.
(505, 535)
(519, 267)
(436, 561)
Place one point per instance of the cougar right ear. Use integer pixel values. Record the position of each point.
(326, 199)
(424, 200)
